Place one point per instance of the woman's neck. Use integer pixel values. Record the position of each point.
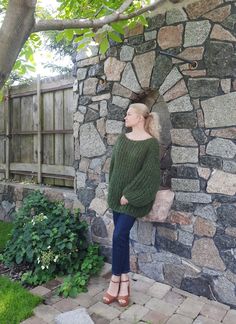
(139, 133)
(138, 130)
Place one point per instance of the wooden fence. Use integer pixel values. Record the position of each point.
(36, 136)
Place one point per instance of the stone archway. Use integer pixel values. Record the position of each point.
(202, 135)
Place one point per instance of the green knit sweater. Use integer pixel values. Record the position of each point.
(135, 173)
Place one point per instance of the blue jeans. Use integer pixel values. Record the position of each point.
(120, 243)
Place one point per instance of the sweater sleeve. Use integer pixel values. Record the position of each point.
(142, 189)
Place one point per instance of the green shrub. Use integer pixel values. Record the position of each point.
(50, 240)
(77, 283)
(5, 231)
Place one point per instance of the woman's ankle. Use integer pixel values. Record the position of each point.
(115, 278)
(124, 277)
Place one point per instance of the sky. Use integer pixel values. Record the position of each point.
(44, 56)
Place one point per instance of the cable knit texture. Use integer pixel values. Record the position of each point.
(135, 173)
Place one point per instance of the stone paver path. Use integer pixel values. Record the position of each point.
(151, 303)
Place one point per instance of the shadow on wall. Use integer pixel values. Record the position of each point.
(156, 103)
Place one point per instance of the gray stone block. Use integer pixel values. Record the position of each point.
(78, 316)
(176, 15)
(196, 32)
(220, 59)
(90, 141)
(126, 53)
(121, 102)
(213, 111)
(225, 290)
(201, 198)
(185, 185)
(185, 238)
(184, 155)
(129, 79)
(152, 270)
(146, 233)
(207, 212)
(203, 87)
(150, 35)
(229, 166)
(221, 147)
(162, 67)
(180, 104)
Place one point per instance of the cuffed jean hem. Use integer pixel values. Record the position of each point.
(124, 272)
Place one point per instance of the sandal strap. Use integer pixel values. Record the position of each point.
(124, 280)
(115, 281)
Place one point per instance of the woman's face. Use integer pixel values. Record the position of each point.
(132, 118)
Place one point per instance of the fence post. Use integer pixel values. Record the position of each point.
(7, 118)
(39, 109)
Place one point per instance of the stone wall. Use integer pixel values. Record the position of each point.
(12, 195)
(196, 248)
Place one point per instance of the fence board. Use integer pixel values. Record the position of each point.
(27, 125)
(48, 124)
(15, 126)
(35, 128)
(59, 138)
(52, 169)
(7, 120)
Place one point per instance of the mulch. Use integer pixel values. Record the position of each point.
(14, 273)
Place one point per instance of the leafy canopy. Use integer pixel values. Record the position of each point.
(74, 9)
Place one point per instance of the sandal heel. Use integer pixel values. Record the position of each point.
(107, 298)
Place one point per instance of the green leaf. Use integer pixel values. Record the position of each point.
(115, 37)
(143, 20)
(118, 28)
(69, 245)
(69, 34)
(73, 292)
(104, 45)
(18, 258)
(60, 36)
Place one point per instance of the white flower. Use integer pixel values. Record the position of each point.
(56, 258)
(42, 267)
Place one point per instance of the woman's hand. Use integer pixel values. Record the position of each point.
(123, 201)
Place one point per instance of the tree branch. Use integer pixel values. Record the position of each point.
(56, 24)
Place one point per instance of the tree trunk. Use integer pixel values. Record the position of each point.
(15, 30)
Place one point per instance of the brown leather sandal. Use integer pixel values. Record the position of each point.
(107, 298)
(124, 300)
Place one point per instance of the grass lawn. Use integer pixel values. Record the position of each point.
(5, 229)
(16, 303)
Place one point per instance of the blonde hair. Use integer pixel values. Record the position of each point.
(152, 122)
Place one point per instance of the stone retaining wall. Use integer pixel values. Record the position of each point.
(12, 195)
(195, 249)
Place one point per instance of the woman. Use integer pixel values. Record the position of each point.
(134, 179)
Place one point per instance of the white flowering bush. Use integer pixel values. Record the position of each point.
(49, 239)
